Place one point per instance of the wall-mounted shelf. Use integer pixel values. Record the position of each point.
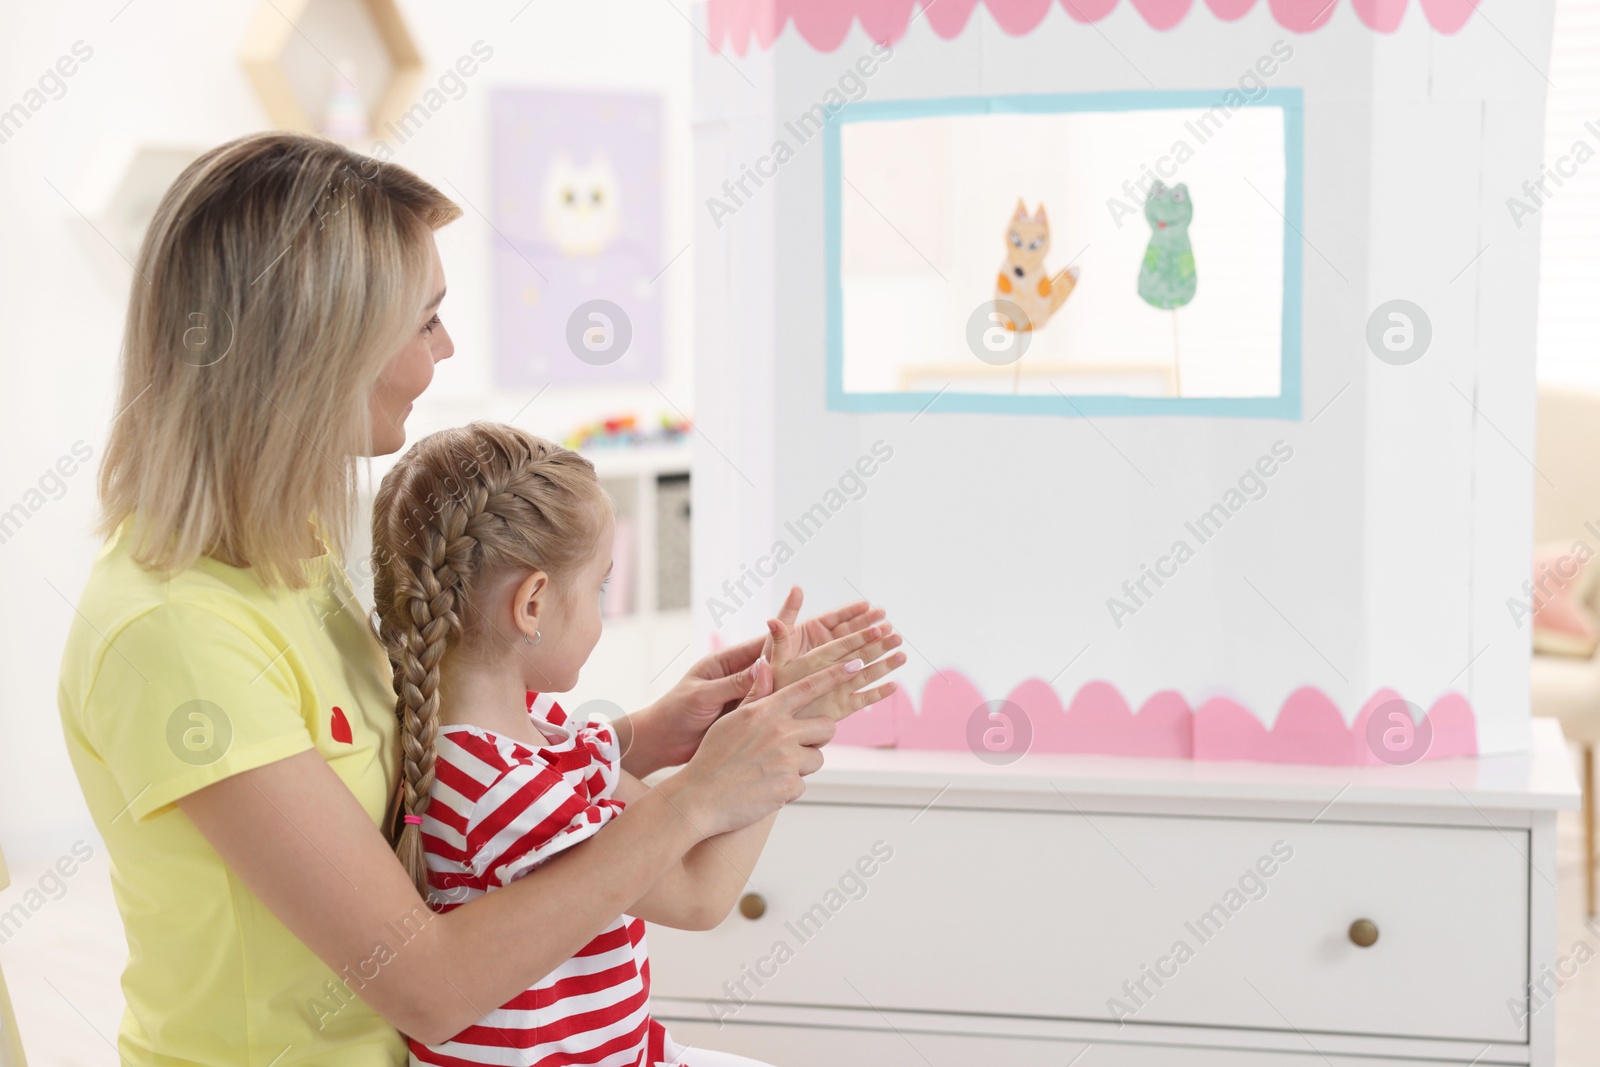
(132, 179)
(301, 53)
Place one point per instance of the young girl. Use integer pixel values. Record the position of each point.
(493, 547)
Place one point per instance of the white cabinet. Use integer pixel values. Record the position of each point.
(1012, 913)
(1153, 908)
(791, 1046)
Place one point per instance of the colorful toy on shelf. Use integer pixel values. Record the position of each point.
(624, 431)
(344, 117)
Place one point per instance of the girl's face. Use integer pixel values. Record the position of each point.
(567, 617)
(409, 370)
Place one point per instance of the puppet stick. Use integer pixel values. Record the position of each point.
(1177, 383)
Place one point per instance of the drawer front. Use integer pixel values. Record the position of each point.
(1140, 919)
(807, 1046)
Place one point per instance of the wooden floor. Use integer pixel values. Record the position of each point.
(62, 967)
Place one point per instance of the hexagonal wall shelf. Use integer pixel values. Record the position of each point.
(343, 68)
(129, 179)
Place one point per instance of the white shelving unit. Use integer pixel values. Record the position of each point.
(645, 648)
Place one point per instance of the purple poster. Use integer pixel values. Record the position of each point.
(575, 181)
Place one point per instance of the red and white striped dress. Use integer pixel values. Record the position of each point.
(497, 811)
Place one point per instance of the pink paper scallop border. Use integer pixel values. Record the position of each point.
(825, 23)
(1309, 728)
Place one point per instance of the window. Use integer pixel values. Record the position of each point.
(1098, 253)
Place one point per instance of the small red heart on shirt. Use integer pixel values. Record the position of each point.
(341, 727)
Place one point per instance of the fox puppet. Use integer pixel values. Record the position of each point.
(1023, 282)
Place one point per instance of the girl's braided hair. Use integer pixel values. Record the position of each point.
(462, 507)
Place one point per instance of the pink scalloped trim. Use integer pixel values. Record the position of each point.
(1308, 729)
(824, 23)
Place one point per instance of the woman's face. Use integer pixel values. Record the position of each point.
(409, 370)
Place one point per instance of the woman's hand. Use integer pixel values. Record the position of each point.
(668, 732)
(754, 759)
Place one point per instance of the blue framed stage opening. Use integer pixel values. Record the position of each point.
(1128, 253)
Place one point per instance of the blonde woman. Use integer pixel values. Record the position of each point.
(229, 711)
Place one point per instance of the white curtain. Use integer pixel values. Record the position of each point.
(1569, 281)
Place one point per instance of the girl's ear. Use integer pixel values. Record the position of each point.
(532, 596)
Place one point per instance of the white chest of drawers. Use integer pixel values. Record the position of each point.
(924, 908)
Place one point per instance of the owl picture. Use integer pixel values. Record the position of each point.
(578, 210)
(582, 210)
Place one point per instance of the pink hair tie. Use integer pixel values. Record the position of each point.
(414, 820)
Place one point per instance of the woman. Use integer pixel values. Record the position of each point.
(227, 708)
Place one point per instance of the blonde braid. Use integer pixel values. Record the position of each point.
(431, 599)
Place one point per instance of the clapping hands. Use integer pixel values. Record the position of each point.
(855, 632)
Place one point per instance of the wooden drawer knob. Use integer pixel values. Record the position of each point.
(1364, 932)
(752, 906)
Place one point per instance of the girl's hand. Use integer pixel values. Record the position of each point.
(868, 645)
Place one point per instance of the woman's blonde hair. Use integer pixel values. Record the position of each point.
(462, 508)
(279, 274)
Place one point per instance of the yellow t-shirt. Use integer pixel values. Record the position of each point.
(169, 685)
(10, 1040)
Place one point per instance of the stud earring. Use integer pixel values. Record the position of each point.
(537, 637)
